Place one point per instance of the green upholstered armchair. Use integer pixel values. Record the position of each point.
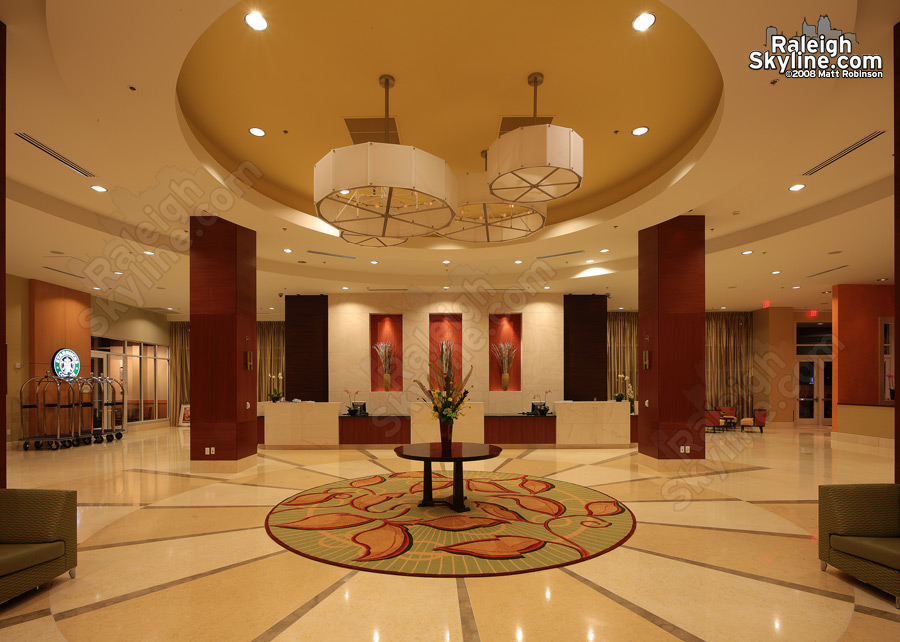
(859, 533)
(38, 538)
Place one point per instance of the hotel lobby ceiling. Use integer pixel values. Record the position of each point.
(724, 141)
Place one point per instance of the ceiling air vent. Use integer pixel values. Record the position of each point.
(509, 123)
(371, 130)
(386, 289)
(337, 256)
(840, 267)
(55, 154)
(63, 272)
(843, 152)
(553, 256)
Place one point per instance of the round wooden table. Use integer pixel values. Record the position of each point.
(460, 451)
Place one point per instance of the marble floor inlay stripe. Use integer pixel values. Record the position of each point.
(617, 457)
(165, 539)
(624, 482)
(25, 617)
(727, 530)
(172, 474)
(665, 625)
(783, 501)
(466, 615)
(105, 504)
(693, 499)
(285, 623)
(865, 610)
(279, 460)
(81, 610)
(749, 576)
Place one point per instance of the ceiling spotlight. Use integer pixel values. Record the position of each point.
(884, 278)
(606, 249)
(149, 253)
(445, 262)
(118, 273)
(723, 308)
(640, 131)
(589, 261)
(795, 287)
(643, 22)
(344, 287)
(518, 261)
(546, 287)
(344, 192)
(746, 252)
(96, 288)
(256, 131)
(797, 187)
(170, 308)
(776, 271)
(287, 250)
(99, 188)
(374, 262)
(826, 291)
(446, 287)
(621, 308)
(255, 21)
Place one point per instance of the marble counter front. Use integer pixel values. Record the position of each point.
(423, 428)
(301, 424)
(593, 423)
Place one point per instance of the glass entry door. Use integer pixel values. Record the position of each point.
(813, 376)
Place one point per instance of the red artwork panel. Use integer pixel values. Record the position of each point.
(505, 328)
(386, 328)
(445, 327)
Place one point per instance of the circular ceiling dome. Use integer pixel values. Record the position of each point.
(310, 81)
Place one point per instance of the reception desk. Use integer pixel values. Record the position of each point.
(374, 429)
(593, 423)
(424, 428)
(300, 424)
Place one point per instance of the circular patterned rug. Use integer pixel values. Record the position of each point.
(517, 524)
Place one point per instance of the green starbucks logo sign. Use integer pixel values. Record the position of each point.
(66, 363)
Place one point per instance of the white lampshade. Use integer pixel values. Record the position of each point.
(483, 218)
(378, 189)
(372, 241)
(535, 164)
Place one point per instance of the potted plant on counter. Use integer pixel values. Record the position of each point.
(276, 394)
(352, 409)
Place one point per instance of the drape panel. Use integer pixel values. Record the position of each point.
(729, 358)
(270, 357)
(179, 368)
(622, 351)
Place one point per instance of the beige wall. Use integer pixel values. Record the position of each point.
(349, 349)
(774, 352)
(17, 351)
(870, 421)
(119, 321)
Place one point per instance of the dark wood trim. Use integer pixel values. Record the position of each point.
(584, 347)
(306, 347)
(519, 429)
(4, 375)
(374, 429)
(896, 225)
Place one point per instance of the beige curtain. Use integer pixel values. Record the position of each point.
(729, 360)
(270, 358)
(179, 368)
(621, 351)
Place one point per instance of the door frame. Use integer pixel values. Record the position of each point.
(819, 418)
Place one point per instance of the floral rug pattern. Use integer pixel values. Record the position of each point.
(517, 524)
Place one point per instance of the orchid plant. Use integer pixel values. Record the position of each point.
(543, 399)
(275, 394)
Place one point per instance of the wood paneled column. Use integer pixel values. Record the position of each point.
(584, 347)
(223, 333)
(306, 347)
(896, 230)
(3, 376)
(671, 324)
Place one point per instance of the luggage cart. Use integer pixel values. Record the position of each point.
(64, 401)
(105, 400)
(83, 386)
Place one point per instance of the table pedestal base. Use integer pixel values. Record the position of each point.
(457, 501)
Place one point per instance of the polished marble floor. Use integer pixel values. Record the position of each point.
(724, 550)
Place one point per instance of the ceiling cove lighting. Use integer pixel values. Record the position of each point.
(643, 22)
(537, 163)
(255, 21)
(640, 131)
(385, 190)
(256, 131)
(99, 188)
(797, 187)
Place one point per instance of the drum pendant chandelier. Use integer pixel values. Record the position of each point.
(537, 163)
(483, 218)
(384, 190)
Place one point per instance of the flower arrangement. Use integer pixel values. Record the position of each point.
(629, 391)
(543, 407)
(276, 394)
(448, 396)
(351, 409)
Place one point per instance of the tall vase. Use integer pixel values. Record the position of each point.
(387, 381)
(504, 381)
(446, 436)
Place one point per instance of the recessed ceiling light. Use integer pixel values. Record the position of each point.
(374, 262)
(118, 273)
(98, 188)
(746, 252)
(445, 262)
(287, 250)
(518, 262)
(546, 287)
(149, 253)
(256, 131)
(640, 131)
(170, 308)
(795, 287)
(621, 308)
(826, 291)
(643, 21)
(255, 21)
(604, 250)
(797, 187)
(723, 308)
(589, 261)
(446, 287)
(884, 278)
(776, 271)
(96, 288)
(344, 192)
(344, 287)
(269, 308)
